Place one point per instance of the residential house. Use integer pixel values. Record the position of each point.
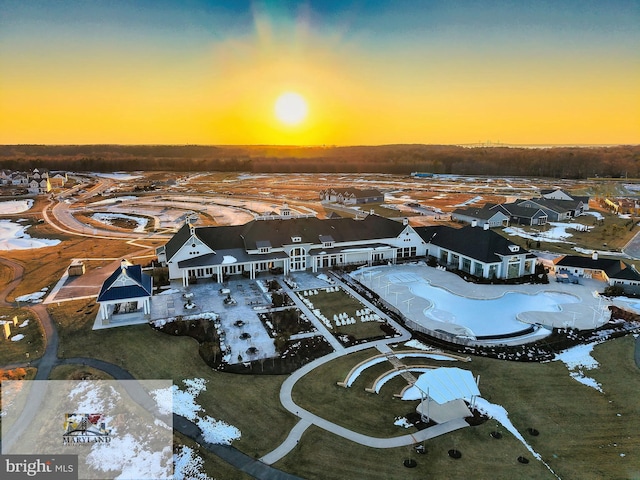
(556, 210)
(481, 216)
(519, 215)
(611, 271)
(559, 194)
(352, 196)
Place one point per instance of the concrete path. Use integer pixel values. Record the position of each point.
(307, 418)
(333, 341)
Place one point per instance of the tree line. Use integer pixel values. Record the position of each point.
(556, 162)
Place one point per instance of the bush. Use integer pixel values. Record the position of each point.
(614, 291)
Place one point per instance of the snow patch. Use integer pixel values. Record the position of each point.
(15, 206)
(184, 404)
(577, 359)
(14, 237)
(17, 338)
(402, 422)
(188, 465)
(32, 297)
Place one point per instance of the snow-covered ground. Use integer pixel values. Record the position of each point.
(112, 201)
(183, 403)
(578, 359)
(35, 297)
(557, 233)
(107, 219)
(14, 237)
(118, 176)
(15, 206)
(593, 213)
(188, 465)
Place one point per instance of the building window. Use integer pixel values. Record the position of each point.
(477, 269)
(296, 239)
(298, 259)
(466, 265)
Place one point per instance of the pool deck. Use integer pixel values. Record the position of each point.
(588, 313)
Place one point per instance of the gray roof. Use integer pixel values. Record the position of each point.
(483, 245)
(279, 232)
(229, 257)
(559, 206)
(481, 213)
(516, 210)
(614, 268)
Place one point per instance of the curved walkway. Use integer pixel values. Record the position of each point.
(307, 418)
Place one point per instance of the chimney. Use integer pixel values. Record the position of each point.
(405, 221)
(485, 226)
(594, 255)
(474, 223)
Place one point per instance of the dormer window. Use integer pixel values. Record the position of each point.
(264, 246)
(514, 248)
(296, 239)
(327, 241)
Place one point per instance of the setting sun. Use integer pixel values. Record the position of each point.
(291, 108)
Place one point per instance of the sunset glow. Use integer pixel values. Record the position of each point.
(290, 108)
(390, 72)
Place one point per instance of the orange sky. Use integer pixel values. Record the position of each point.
(164, 74)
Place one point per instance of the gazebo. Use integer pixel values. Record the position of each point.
(445, 386)
(127, 291)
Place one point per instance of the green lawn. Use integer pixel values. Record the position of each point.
(582, 431)
(334, 303)
(249, 402)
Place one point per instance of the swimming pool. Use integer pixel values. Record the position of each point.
(482, 318)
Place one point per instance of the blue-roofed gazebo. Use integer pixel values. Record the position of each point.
(127, 291)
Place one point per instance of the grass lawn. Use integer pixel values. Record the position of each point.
(322, 455)
(613, 234)
(78, 372)
(582, 431)
(213, 465)
(334, 303)
(32, 343)
(374, 414)
(249, 402)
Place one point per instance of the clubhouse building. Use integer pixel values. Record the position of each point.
(287, 243)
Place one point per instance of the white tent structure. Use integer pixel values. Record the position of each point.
(444, 385)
